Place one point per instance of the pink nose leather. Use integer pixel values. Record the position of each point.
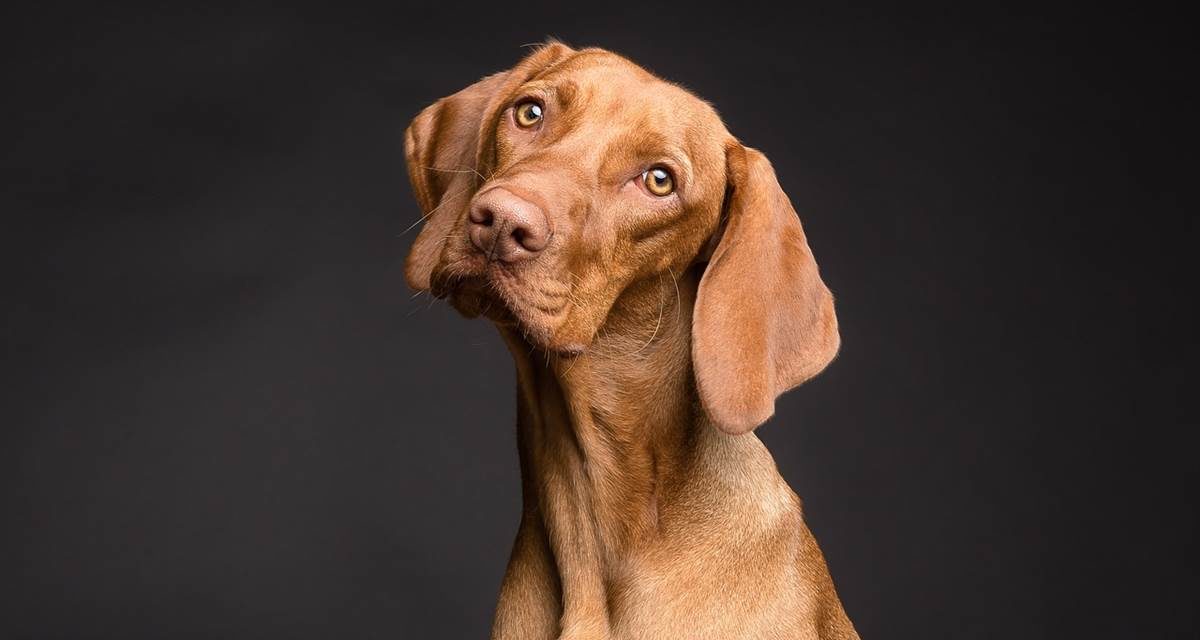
(506, 227)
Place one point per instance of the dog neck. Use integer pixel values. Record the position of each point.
(614, 426)
(614, 447)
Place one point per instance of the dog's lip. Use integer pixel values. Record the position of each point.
(453, 274)
(467, 272)
(506, 300)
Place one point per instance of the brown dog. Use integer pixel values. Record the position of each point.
(656, 290)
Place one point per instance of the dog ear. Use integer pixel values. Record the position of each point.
(764, 320)
(443, 146)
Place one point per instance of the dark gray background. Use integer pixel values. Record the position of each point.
(225, 416)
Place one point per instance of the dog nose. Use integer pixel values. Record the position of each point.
(506, 227)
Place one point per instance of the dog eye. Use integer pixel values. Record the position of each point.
(528, 114)
(659, 181)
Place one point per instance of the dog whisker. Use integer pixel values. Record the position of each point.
(444, 202)
(660, 314)
(572, 365)
(472, 170)
(678, 303)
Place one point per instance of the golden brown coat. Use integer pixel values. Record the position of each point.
(650, 335)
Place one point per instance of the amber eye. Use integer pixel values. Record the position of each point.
(528, 113)
(659, 181)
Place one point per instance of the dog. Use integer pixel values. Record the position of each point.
(657, 292)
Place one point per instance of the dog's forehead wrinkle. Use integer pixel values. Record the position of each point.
(613, 98)
(610, 74)
(591, 59)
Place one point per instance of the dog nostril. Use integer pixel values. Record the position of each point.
(482, 217)
(518, 234)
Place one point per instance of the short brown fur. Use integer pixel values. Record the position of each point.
(650, 336)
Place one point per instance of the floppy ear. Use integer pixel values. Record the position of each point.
(442, 147)
(764, 320)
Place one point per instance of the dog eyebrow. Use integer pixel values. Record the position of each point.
(623, 161)
(564, 93)
(640, 150)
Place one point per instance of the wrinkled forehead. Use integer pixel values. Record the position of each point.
(605, 97)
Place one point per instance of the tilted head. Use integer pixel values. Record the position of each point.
(551, 189)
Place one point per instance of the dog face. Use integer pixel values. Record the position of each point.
(554, 188)
(597, 175)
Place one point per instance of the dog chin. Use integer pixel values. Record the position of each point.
(538, 331)
(474, 297)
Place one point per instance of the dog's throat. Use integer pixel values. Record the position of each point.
(618, 436)
(604, 438)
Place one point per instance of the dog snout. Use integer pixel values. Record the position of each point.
(507, 227)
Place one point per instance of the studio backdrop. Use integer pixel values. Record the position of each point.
(226, 415)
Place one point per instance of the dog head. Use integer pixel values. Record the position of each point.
(551, 189)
